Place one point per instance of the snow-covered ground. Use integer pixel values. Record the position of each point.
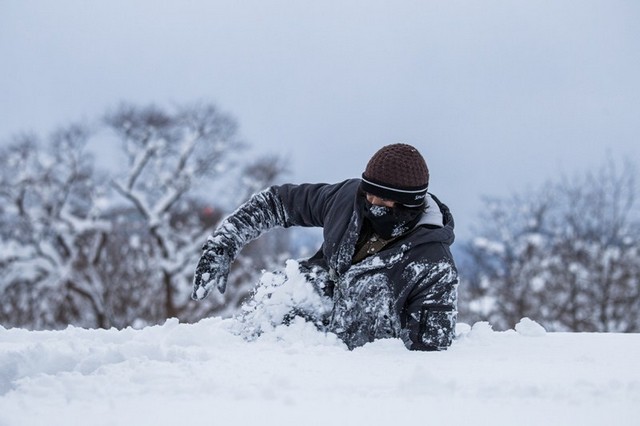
(203, 374)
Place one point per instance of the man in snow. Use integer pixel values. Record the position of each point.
(384, 270)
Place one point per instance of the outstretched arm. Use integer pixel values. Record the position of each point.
(285, 205)
(263, 211)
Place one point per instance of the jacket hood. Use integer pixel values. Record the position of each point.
(426, 233)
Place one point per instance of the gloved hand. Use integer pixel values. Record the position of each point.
(212, 270)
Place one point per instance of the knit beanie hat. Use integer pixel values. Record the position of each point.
(397, 172)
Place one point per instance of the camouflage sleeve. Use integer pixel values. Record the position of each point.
(431, 310)
(262, 212)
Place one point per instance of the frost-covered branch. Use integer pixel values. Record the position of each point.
(49, 227)
(118, 249)
(567, 255)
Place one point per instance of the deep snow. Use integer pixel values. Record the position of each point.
(202, 374)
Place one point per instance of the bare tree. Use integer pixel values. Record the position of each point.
(168, 154)
(52, 237)
(567, 255)
(97, 250)
(171, 156)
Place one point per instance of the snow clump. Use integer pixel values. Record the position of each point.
(529, 328)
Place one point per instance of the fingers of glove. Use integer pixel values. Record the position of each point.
(201, 292)
(197, 294)
(221, 285)
(207, 266)
(212, 270)
(202, 287)
(204, 274)
(198, 284)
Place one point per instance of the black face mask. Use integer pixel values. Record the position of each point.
(391, 222)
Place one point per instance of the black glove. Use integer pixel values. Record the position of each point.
(212, 270)
(263, 211)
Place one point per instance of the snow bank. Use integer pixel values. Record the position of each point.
(204, 374)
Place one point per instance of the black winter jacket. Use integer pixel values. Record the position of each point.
(406, 290)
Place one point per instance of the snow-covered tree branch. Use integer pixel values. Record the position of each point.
(48, 228)
(567, 255)
(96, 249)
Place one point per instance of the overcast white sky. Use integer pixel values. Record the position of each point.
(497, 95)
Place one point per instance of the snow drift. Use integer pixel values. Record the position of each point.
(204, 373)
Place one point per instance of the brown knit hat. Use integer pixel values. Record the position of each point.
(397, 172)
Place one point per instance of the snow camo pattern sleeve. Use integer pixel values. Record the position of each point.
(262, 212)
(278, 206)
